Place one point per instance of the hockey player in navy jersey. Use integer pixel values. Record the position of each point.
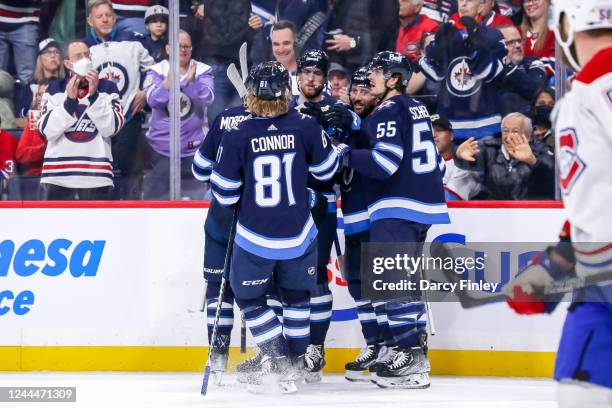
(354, 191)
(216, 237)
(262, 167)
(312, 78)
(583, 139)
(406, 197)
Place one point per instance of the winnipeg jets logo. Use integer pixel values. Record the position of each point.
(184, 106)
(461, 81)
(83, 131)
(116, 73)
(570, 164)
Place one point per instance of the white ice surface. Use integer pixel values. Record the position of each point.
(157, 390)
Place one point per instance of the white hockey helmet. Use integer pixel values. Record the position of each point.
(581, 15)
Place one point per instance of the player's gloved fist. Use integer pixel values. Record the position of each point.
(317, 111)
(340, 117)
(526, 292)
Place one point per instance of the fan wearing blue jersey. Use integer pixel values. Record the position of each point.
(262, 167)
(405, 197)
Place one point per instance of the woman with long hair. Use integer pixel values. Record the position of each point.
(539, 40)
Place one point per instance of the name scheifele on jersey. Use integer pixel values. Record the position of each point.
(264, 164)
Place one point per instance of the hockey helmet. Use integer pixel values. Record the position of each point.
(583, 15)
(360, 77)
(393, 63)
(269, 80)
(314, 58)
(156, 11)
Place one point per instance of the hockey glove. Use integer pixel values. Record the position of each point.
(474, 40)
(526, 292)
(318, 111)
(438, 52)
(341, 117)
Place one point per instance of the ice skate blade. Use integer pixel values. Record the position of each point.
(357, 376)
(313, 377)
(414, 381)
(282, 387)
(217, 377)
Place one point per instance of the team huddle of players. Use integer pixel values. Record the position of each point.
(282, 161)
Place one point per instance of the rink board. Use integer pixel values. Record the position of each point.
(118, 286)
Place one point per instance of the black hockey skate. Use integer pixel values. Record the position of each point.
(408, 369)
(249, 366)
(276, 374)
(355, 369)
(314, 361)
(385, 354)
(219, 357)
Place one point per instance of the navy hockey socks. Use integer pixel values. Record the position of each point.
(383, 324)
(265, 327)
(296, 320)
(406, 321)
(368, 321)
(320, 314)
(226, 319)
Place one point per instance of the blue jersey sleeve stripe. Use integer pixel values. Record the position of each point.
(199, 174)
(202, 161)
(225, 200)
(224, 183)
(328, 175)
(331, 159)
(391, 148)
(387, 165)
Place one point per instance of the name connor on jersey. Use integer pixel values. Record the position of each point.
(276, 142)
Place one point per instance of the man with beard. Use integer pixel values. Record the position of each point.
(357, 230)
(332, 116)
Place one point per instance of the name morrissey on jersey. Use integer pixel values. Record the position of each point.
(275, 142)
(231, 122)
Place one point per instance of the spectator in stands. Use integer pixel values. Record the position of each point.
(348, 41)
(7, 87)
(338, 82)
(492, 18)
(31, 149)
(8, 144)
(539, 39)
(196, 82)
(517, 167)
(541, 109)
(79, 116)
(225, 27)
(48, 65)
(131, 13)
(284, 51)
(156, 21)
(523, 76)
(19, 32)
(122, 58)
(457, 182)
(406, 32)
(439, 10)
(467, 62)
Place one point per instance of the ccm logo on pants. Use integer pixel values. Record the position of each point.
(255, 282)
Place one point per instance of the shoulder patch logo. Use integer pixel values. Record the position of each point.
(571, 165)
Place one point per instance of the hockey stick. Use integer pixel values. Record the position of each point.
(226, 265)
(234, 76)
(561, 286)
(244, 67)
(339, 254)
(242, 334)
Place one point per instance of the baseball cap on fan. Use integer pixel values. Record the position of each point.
(47, 43)
(337, 69)
(441, 121)
(157, 11)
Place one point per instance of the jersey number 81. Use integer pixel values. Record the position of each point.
(267, 173)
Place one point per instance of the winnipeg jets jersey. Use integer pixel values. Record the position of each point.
(404, 159)
(584, 146)
(122, 59)
(264, 162)
(78, 153)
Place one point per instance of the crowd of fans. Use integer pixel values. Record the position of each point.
(484, 69)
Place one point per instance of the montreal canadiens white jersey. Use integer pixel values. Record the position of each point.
(584, 144)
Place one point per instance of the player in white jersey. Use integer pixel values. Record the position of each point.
(584, 146)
